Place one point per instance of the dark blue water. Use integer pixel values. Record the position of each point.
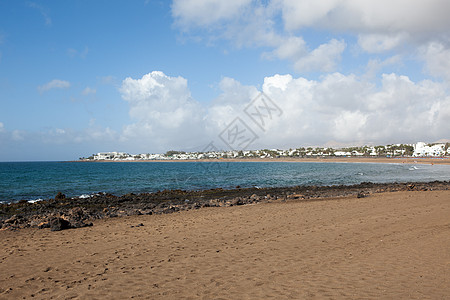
(42, 180)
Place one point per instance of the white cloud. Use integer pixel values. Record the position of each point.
(341, 108)
(350, 110)
(252, 24)
(324, 58)
(383, 16)
(229, 105)
(205, 13)
(377, 43)
(336, 109)
(163, 110)
(54, 84)
(350, 125)
(89, 91)
(379, 26)
(292, 48)
(437, 57)
(375, 65)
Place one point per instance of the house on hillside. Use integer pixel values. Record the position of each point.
(422, 149)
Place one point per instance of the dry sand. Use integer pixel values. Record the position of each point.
(390, 246)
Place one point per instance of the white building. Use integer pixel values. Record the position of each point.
(422, 149)
(342, 153)
(110, 155)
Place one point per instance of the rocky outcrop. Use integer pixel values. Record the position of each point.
(63, 213)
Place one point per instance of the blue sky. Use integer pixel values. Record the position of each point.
(80, 77)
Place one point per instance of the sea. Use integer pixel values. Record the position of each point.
(34, 181)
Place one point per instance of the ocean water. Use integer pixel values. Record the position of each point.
(43, 180)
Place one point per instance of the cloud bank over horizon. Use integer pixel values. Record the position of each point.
(343, 108)
(338, 109)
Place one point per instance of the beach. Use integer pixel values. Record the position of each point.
(390, 245)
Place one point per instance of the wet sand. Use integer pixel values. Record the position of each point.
(392, 245)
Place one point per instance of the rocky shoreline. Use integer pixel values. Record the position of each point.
(65, 213)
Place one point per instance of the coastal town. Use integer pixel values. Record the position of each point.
(419, 149)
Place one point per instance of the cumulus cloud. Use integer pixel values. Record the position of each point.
(350, 110)
(324, 58)
(228, 105)
(378, 26)
(54, 84)
(381, 26)
(343, 108)
(375, 65)
(162, 108)
(2, 127)
(292, 48)
(244, 23)
(383, 16)
(437, 57)
(252, 24)
(377, 43)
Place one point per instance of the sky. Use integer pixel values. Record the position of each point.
(81, 77)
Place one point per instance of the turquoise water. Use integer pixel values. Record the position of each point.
(42, 180)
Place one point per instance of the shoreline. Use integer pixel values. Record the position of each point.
(65, 213)
(387, 160)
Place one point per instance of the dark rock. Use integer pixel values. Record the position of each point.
(255, 198)
(43, 225)
(236, 201)
(77, 212)
(57, 224)
(60, 196)
(15, 219)
(80, 224)
(297, 196)
(361, 195)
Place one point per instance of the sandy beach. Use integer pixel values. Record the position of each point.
(393, 245)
